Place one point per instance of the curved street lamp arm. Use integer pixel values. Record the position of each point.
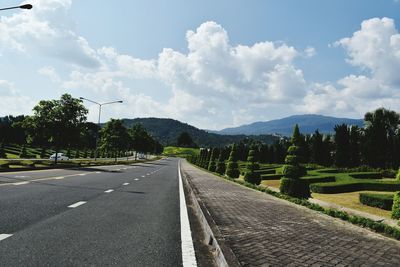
(82, 98)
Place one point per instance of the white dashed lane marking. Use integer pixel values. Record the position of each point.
(109, 191)
(4, 236)
(77, 204)
(125, 184)
(21, 183)
(136, 179)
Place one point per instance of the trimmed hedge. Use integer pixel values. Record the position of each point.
(295, 188)
(266, 171)
(344, 187)
(366, 175)
(382, 201)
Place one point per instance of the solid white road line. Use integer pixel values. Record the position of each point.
(21, 183)
(108, 191)
(4, 236)
(20, 176)
(98, 172)
(82, 174)
(188, 254)
(125, 184)
(77, 204)
(60, 178)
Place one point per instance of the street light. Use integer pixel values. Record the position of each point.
(98, 122)
(27, 6)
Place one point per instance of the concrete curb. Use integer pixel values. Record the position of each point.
(223, 255)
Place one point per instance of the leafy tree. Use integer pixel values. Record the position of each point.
(69, 152)
(251, 175)
(354, 149)
(232, 168)
(43, 153)
(141, 141)
(342, 143)
(56, 122)
(317, 148)
(380, 132)
(114, 137)
(77, 154)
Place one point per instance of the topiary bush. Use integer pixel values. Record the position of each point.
(232, 168)
(221, 168)
(396, 206)
(398, 175)
(251, 175)
(212, 166)
(23, 154)
(291, 184)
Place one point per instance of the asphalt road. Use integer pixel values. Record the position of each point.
(125, 215)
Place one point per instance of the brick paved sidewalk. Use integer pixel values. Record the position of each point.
(263, 230)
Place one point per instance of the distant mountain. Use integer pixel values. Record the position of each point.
(307, 123)
(167, 131)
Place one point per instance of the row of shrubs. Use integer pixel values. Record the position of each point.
(382, 201)
(344, 187)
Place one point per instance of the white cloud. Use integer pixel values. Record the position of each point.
(13, 101)
(47, 30)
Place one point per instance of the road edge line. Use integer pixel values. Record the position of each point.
(188, 253)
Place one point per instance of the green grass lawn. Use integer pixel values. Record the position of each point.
(182, 152)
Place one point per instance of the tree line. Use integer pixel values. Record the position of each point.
(62, 124)
(376, 145)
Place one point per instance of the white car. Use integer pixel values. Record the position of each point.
(60, 156)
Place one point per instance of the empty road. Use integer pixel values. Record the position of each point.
(112, 215)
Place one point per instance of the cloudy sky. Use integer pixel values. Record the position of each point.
(212, 64)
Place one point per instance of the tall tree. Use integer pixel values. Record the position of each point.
(380, 131)
(114, 137)
(342, 145)
(185, 140)
(56, 122)
(317, 148)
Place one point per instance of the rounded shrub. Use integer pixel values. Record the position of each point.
(251, 176)
(212, 166)
(232, 168)
(295, 188)
(221, 168)
(396, 206)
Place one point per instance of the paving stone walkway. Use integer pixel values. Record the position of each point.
(262, 230)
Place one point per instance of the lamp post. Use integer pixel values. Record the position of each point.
(27, 6)
(98, 122)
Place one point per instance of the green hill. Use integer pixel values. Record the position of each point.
(168, 130)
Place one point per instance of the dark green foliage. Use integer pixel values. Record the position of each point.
(2, 151)
(382, 201)
(212, 166)
(342, 143)
(323, 179)
(398, 175)
(343, 187)
(77, 154)
(271, 176)
(295, 188)
(85, 154)
(92, 152)
(291, 184)
(251, 175)
(396, 206)
(23, 154)
(232, 168)
(185, 140)
(68, 153)
(221, 168)
(43, 153)
(366, 175)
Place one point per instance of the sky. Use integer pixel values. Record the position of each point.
(212, 64)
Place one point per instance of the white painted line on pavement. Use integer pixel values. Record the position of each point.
(136, 179)
(4, 236)
(125, 184)
(21, 183)
(60, 178)
(82, 174)
(143, 176)
(77, 204)
(188, 254)
(108, 191)
(98, 172)
(20, 176)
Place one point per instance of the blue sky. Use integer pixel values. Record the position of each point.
(212, 64)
